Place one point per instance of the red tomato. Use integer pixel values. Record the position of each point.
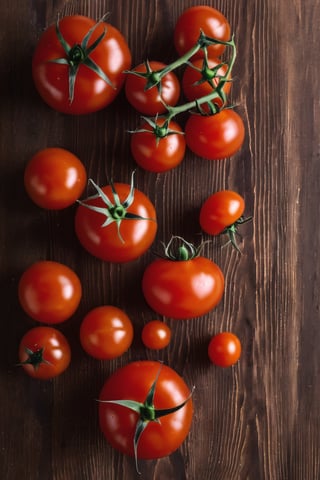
(149, 101)
(106, 332)
(224, 349)
(182, 289)
(99, 73)
(156, 335)
(215, 136)
(118, 233)
(197, 80)
(54, 178)
(49, 292)
(133, 382)
(221, 210)
(44, 353)
(157, 153)
(197, 18)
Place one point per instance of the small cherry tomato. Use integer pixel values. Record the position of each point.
(201, 18)
(44, 353)
(221, 210)
(156, 335)
(54, 178)
(224, 349)
(106, 332)
(150, 101)
(49, 292)
(158, 148)
(215, 136)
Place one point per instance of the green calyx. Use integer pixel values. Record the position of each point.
(159, 131)
(147, 412)
(113, 210)
(35, 358)
(179, 250)
(232, 232)
(79, 54)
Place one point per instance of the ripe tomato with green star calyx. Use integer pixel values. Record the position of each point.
(216, 136)
(54, 178)
(106, 332)
(158, 146)
(78, 64)
(145, 410)
(44, 353)
(49, 292)
(183, 284)
(148, 94)
(117, 224)
(201, 18)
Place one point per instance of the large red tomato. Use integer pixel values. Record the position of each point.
(183, 288)
(153, 392)
(117, 225)
(201, 18)
(78, 65)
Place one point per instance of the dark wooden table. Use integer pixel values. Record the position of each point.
(259, 419)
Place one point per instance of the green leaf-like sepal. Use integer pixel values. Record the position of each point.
(232, 232)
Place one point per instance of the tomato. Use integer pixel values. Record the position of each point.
(149, 101)
(215, 136)
(224, 349)
(194, 19)
(54, 178)
(106, 332)
(49, 292)
(156, 335)
(44, 353)
(158, 148)
(117, 225)
(183, 289)
(134, 382)
(200, 79)
(72, 78)
(221, 210)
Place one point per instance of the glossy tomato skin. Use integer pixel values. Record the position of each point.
(91, 93)
(156, 335)
(148, 101)
(54, 178)
(220, 210)
(215, 136)
(106, 332)
(183, 289)
(56, 352)
(49, 292)
(158, 154)
(194, 19)
(224, 349)
(192, 90)
(105, 242)
(118, 423)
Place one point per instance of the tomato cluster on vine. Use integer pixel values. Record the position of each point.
(79, 66)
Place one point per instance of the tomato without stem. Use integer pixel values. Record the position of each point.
(221, 210)
(44, 353)
(150, 101)
(49, 292)
(117, 225)
(119, 423)
(224, 349)
(194, 19)
(156, 335)
(106, 332)
(215, 136)
(155, 152)
(54, 178)
(83, 74)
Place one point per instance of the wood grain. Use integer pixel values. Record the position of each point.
(259, 420)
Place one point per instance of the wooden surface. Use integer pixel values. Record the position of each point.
(258, 420)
